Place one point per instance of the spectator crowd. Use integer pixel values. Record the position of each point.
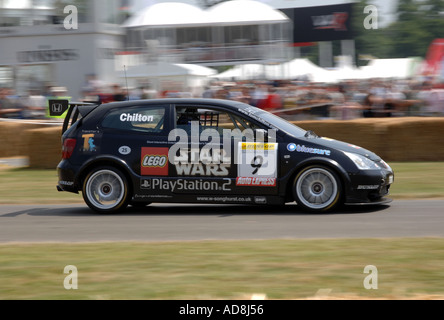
(299, 100)
(293, 100)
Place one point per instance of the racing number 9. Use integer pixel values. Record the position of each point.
(257, 164)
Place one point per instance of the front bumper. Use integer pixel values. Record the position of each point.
(370, 187)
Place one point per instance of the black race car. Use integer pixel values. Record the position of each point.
(209, 151)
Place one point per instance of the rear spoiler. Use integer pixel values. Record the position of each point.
(57, 108)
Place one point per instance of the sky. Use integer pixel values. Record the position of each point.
(386, 8)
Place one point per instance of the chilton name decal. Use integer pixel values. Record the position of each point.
(154, 162)
(135, 117)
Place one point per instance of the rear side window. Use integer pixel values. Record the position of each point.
(145, 119)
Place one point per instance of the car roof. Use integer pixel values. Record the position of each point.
(230, 104)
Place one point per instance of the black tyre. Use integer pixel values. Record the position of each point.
(105, 190)
(317, 189)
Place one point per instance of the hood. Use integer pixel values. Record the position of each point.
(344, 146)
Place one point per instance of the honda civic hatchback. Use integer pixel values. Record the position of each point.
(209, 151)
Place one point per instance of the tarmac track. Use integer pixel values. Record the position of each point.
(77, 223)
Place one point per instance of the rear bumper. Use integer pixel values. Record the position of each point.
(67, 178)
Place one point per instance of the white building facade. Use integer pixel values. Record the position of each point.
(52, 43)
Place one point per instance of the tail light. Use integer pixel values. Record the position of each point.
(68, 148)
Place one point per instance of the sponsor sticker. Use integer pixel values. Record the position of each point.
(224, 199)
(255, 182)
(125, 150)
(154, 162)
(304, 149)
(368, 187)
(260, 200)
(135, 117)
(200, 169)
(58, 107)
(158, 184)
(257, 161)
(291, 147)
(66, 183)
(89, 143)
(258, 146)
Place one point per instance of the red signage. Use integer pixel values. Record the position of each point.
(154, 162)
(255, 182)
(435, 58)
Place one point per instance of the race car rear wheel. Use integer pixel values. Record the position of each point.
(317, 189)
(105, 190)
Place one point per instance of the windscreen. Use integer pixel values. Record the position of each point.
(273, 121)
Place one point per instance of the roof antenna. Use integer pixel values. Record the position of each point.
(127, 88)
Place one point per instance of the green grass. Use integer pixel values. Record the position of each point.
(27, 186)
(280, 269)
(418, 180)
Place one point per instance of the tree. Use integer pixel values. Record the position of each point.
(368, 41)
(418, 23)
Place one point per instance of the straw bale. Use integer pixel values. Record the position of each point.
(44, 148)
(14, 138)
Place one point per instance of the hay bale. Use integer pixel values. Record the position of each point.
(393, 139)
(360, 132)
(415, 139)
(44, 148)
(14, 138)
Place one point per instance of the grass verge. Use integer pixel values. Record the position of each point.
(280, 269)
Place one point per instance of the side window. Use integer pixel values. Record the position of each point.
(208, 118)
(144, 119)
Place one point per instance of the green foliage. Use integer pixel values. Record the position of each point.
(418, 24)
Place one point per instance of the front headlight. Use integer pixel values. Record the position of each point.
(362, 162)
(386, 166)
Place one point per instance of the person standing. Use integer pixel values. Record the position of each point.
(8, 109)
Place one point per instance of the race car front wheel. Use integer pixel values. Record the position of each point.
(105, 190)
(317, 189)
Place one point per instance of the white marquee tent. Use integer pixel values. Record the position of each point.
(244, 11)
(162, 75)
(233, 12)
(168, 14)
(391, 68)
(297, 68)
(303, 68)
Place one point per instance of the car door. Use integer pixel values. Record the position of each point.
(216, 153)
(200, 163)
(257, 157)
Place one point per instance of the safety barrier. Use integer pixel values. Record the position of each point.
(394, 139)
